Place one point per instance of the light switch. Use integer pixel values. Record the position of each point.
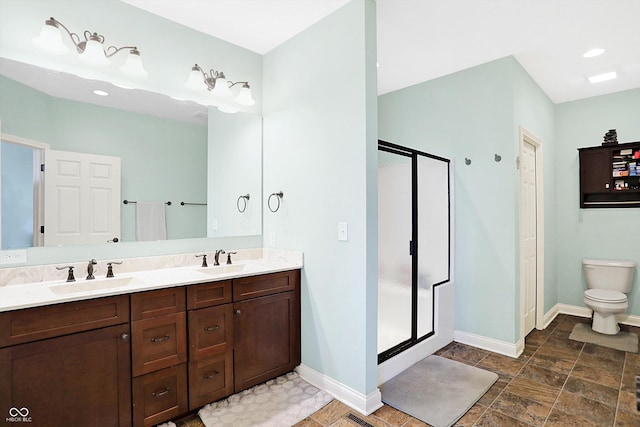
(343, 233)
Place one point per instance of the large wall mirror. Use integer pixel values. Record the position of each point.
(170, 150)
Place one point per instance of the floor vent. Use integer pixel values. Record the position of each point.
(360, 421)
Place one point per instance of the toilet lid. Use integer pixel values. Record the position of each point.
(605, 295)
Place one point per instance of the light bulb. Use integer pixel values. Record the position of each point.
(195, 80)
(221, 89)
(93, 53)
(133, 65)
(50, 38)
(244, 96)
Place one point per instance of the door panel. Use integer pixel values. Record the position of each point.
(529, 233)
(82, 198)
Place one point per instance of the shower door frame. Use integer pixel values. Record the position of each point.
(413, 246)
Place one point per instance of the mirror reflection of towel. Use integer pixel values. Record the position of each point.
(151, 223)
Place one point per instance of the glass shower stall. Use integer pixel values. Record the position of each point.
(414, 233)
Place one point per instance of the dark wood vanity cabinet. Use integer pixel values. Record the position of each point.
(266, 327)
(610, 176)
(145, 358)
(72, 365)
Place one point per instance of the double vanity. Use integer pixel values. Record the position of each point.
(150, 345)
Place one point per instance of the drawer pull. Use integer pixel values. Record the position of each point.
(160, 339)
(160, 393)
(211, 375)
(238, 311)
(211, 328)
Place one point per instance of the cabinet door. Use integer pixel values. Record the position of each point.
(158, 343)
(266, 338)
(210, 331)
(74, 380)
(160, 396)
(595, 170)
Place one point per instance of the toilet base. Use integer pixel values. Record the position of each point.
(605, 323)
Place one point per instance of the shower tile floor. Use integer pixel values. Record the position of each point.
(555, 382)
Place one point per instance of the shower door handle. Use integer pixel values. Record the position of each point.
(412, 248)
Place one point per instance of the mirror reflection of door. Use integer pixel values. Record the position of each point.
(21, 193)
(82, 198)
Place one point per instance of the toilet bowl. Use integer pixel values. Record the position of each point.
(605, 305)
(608, 282)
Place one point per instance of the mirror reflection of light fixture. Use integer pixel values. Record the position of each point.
(90, 50)
(216, 83)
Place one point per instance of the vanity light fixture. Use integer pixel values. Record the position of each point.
(603, 77)
(90, 50)
(216, 83)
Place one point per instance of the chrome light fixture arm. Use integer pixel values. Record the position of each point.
(209, 78)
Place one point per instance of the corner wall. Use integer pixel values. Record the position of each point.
(320, 149)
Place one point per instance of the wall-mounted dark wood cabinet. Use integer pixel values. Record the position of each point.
(610, 176)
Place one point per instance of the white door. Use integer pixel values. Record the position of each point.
(82, 198)
(528, 227)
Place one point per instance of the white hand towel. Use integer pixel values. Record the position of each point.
(151, 223)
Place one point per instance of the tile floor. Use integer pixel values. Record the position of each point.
(555, 382)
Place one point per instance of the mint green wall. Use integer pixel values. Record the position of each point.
(162, 159)
(320, 150)
(534, 111)
(469, 114)
(593, 233)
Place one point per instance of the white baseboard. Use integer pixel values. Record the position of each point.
(550, 315)
(574, 310)
(490, 344)
(366, 405)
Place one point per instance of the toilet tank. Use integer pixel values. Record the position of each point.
(609, 274)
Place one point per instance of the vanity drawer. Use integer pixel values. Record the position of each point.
(145, 305)
(208, 294)
(210, 379)
(158, 343)
(267, 284)
(160, 396)
(210, 331)
(38, 323)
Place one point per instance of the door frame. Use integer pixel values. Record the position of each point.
(526, 136)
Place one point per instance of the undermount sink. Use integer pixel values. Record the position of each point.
(92, 285)
(223, 269)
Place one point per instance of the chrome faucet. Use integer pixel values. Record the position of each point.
(216, 257)
(90, 275)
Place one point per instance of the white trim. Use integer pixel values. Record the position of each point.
(24, 141)
(366, 405)
(549, 316)
(490, 344)
(574, 310)
(528, 137)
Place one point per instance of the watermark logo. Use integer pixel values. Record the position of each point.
(18, 415)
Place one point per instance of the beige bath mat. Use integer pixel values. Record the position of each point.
(625, 341)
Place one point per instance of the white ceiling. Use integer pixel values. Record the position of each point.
(419, 40)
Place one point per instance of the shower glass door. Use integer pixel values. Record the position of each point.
(394, 261)
(413, 244)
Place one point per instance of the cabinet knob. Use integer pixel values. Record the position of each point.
(238, 311)
(124, 336)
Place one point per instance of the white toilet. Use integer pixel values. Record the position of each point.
(608, 282)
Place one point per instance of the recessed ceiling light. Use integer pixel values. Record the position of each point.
(101, 93)
(603, 77)
(593, 53)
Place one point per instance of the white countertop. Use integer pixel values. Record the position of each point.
(19, 296)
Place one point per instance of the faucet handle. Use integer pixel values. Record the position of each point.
(70, 277)
(229, 256)
(110, 268)
(204, 259)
